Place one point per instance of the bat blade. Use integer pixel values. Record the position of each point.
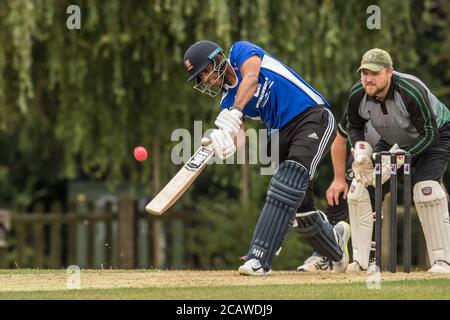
(180, 182)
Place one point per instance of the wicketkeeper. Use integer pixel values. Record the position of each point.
(408, 117)
(255, 84)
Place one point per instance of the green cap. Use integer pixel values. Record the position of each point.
(375, 60)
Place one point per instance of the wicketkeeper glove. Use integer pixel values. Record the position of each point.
(362, 165)
(386, 163)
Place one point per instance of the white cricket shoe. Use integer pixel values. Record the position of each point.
(342, 229)
(315, 263)
(253, 267)
(355, 267)
(440, 267)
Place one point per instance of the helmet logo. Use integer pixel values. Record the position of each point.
(188, 65)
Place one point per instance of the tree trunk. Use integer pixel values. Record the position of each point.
(156, 222)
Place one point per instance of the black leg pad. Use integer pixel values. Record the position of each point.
(319, 234)
(286, 192)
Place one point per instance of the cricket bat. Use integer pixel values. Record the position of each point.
(181, 181)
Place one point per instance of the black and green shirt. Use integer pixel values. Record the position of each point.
(410, 116)
(370, 134)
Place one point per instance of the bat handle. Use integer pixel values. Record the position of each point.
(206, 141)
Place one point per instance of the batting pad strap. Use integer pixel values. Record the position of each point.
(319, 234)
(285, 194)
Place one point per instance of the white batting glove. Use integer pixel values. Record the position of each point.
(229, 120)
(222, 143)
(362, 165)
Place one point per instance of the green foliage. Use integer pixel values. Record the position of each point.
(74, 104)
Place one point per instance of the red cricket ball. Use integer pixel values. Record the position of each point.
(140, 153)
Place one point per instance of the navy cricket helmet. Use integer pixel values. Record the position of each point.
(199, 56)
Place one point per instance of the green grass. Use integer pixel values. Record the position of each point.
(390, 290)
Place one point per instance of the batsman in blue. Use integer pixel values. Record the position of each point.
(254, 84)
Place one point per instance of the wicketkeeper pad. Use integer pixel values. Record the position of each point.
(432, 209)
(286, 193)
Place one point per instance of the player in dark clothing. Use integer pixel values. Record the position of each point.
(408, 117)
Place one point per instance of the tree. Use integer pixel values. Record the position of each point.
(74, 103)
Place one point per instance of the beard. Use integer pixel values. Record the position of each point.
(376, 91)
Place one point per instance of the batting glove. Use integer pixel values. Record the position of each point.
(229, 120)
(222, 143)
